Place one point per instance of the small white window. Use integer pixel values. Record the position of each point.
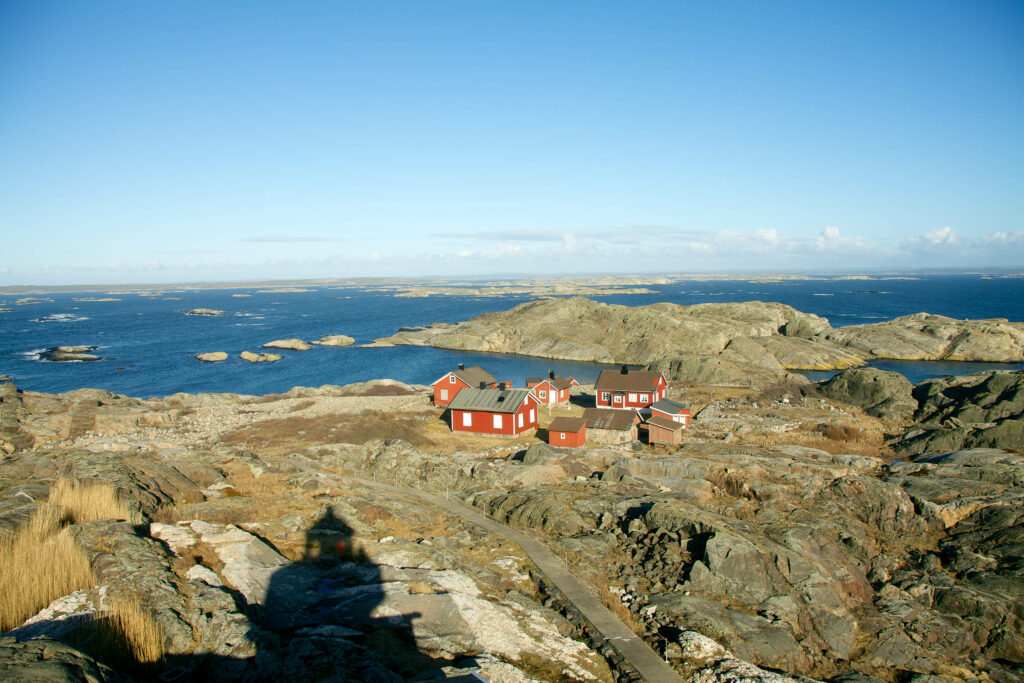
(520, 419)
(561, 435)
(644, 398)
(467, 419)
(444, 394)
(618, 398)
(604, 396)
(542, 393)
(532, 418)
(497, 421)
(632, 398)
(451, 379)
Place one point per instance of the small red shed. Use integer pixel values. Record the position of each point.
(570, 432)
(507, 412)
(663, 430)
(550, 390)
(446, 388)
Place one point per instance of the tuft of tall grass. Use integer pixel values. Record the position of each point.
(86, 502)
(124, 637)
(38, 564)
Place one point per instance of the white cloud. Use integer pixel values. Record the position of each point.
(933, 239)
(830, 239)
(1007, 239)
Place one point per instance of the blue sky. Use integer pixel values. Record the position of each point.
(186, 141)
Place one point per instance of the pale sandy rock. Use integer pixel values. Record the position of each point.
(292, 344)
(260, 357)
(249, 563)
(212, 356)
(205, 574)
(335, 340)
(205, 312)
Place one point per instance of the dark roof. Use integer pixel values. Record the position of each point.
(489, 400)
(665, 423)
(667, 405)
(567, 424)
(609, 418)
(535, 380)
(634, 380)
(558, 383)
(472, 376)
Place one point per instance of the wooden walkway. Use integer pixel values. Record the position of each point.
(632, 648)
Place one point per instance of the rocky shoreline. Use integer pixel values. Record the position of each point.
(746, 344)
(780, 539)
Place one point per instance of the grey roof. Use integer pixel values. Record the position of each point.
(667, 405)
(489, 400)
(665, 423)
(567, 424)
(610, 418)
(634, 380)
(472, 376)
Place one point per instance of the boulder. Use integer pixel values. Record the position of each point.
(292, 344)
(212, 356)
(204, 312)
(335, 340)
(259, 357)
(68, 354)
(885, 395)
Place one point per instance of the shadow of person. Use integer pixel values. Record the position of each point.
(318, 620)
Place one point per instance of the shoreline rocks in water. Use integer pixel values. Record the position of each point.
(69, 354)
(212, 357)
(335, 340)
(290, 344)
(204, 312)
(260, 357)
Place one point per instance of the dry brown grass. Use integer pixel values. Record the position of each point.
(852, 440)
(297, 432)
(86, 502)
(38, 564)
(125, 636)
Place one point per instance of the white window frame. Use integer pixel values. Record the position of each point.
(542, 394)
(644, 398)
(604, 396)
(533, 418)
(467, 419)
(632, 398)
(561, 435)
(520, 420)
(497, 421)
(444, 394)
(451, 379)
(617, 398)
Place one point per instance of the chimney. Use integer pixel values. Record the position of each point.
(625, 370)
(462, 366)
(551, 374)
(503, 386)
(483, 385)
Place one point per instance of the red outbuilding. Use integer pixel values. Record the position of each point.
(508, 412)
(629, 389)
(663, 430)
(672, 410)
(570, 432)
(448, 387)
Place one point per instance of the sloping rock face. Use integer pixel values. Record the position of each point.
(983, 410)
(923, 336)
(729, 343)
(886, 395)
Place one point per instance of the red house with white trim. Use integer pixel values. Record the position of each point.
(672, 410)
(550, 390)
(507, 412)
(629, 389)
(446, 388)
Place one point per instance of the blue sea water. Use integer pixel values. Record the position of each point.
(148, 344)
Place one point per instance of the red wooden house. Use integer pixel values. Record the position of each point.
(629, 389)
(551, 389)
(446, 388)
(506, 412)
(570, 432)
(672, 410)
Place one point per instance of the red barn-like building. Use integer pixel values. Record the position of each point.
(507, 412)
(448, 387)
(570, 432)
(629, 389)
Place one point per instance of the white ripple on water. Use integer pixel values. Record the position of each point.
(60, 318)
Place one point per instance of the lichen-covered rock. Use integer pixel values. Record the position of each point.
(886, 395)
(291, 344)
